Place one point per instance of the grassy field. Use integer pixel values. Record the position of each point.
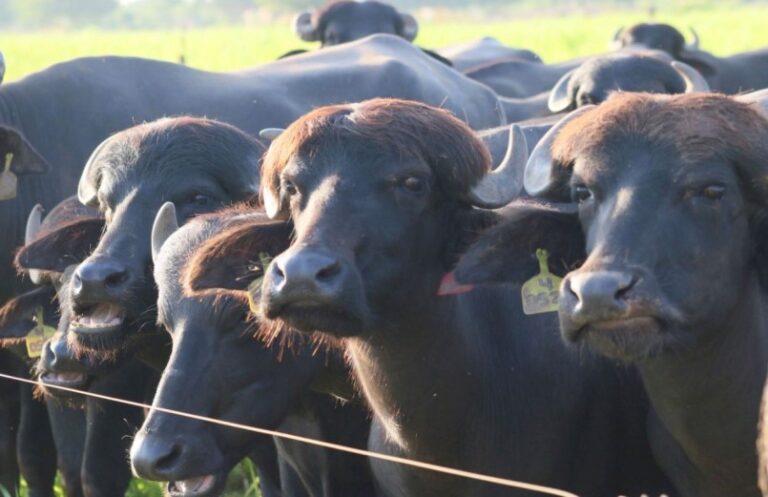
(723, 30)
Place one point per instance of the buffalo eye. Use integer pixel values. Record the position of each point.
(414, 185)
(713, 192)
(331, 38)
(200, 200)
(289, 187)
(580, 193)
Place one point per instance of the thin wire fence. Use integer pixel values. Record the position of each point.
(319, 443)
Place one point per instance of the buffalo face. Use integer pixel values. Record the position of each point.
(200, 165)
(670, 212)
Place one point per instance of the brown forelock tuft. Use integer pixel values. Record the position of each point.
(699, 126)
(399, 128)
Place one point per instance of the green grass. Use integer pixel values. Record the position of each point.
(723, 30)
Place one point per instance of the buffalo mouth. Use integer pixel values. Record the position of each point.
(310, 315)
(629, 338)
(69, 379)
(99, 326)
(198, 486)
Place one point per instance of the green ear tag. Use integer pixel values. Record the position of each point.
(8, 180)
(254, 289)
(37, 337)
(540, 292)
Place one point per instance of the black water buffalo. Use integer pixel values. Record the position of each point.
(267, 384)
(464, 56)
(669, 219)
(342, 21)
(381, 196)
(90, 443)
(635, 71)
(201, 165)
(734, 74)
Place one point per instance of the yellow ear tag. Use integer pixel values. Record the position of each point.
(254, 289)
(37, 337)
(8, 180)
(540, 292)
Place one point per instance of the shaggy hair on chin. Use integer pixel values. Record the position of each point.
(700, 126)
(385, 127)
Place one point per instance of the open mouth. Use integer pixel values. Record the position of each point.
(99, 318)
(198, 486)
(69, 379)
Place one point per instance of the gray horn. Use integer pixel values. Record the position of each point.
(164, 226)
(538, 171)
(87, 187)
(616, 42)
(502, 185)
(270, 133)
(303, 26)
(559, 100)
(34, 222)
(410, 26)
(756, 97)
(2, 67)
(694, 81)
(693, 45)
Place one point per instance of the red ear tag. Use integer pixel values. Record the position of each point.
(449, 286)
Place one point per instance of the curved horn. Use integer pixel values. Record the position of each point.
(410, 26)
(303, 27)
(164, 226)
(756, 97)
(693, 45)
(615, 42)
(694, 81)
(538, 171)
(559, 100)
(86, 187)
(34, 223)
(502, 185)
(2, 67)
(270, 133)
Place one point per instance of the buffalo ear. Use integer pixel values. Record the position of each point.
(60, 248)
(506, 253)
(25, 159)
(226, 261)
(17, 315)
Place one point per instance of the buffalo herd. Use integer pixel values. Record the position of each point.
(555, 274)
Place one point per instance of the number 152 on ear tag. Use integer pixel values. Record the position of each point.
(540, 292)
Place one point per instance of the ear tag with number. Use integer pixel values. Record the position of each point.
(254, 289)
(540, 292)
(8, 180)
(37, 337)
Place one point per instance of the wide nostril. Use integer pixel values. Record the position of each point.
(168, 461)
(625, 287)
(116, 279)
(329, 271)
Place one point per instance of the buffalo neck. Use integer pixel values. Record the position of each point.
(707, 398)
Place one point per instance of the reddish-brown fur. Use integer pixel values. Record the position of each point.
(699, 126)
(397, 127)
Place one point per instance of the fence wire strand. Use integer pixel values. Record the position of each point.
(319, 443)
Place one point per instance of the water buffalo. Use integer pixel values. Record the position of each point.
(342, 21)
(519, 78)
(668, 198)
(381, 196)
(465, 56)
(734, 74)
(647, 71)
(267, 384)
